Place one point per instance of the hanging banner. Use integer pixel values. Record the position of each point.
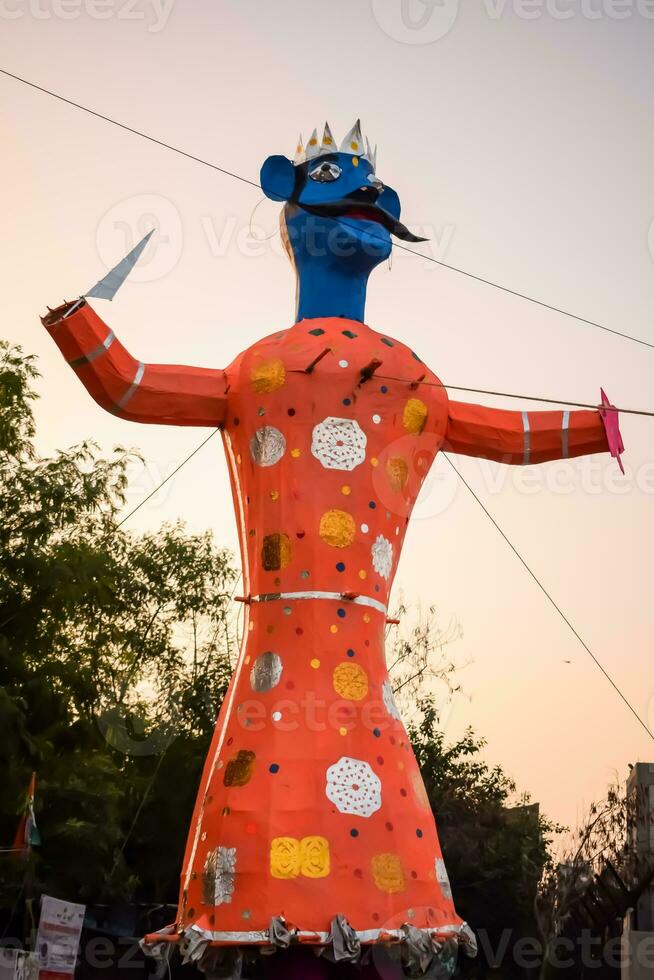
(60, 928)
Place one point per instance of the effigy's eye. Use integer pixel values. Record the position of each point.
(325, 172)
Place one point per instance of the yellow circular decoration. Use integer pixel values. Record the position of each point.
(366, 617)
(374, 461)
(285, 857)
(314, 857)
(363, 574)
(333, 629)
(337, 528)
(346, 490)
(296, 453)
(350, 681)
(315, 663)
(274, 494)
(388, 873)
(276, 551)
(268, 376)
(342, 731)
(397, 471)
(415, 415)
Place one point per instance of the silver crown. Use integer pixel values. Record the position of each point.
(352, 144)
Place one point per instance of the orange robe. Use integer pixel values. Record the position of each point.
(311, 805)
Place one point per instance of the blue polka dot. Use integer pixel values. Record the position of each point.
(340, 567)
(384, 390)
(376, 732)
(418, 832)
(372, 505)
(274, 768)
(350, 653)
(377, 588)
(341, 613)
(354, 832)
(347, 401)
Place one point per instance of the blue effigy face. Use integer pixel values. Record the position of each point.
(337, 210)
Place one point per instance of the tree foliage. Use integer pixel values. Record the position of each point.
(114, 649)
(496, 845)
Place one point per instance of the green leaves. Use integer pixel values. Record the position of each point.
(494, 848)
(114, 649)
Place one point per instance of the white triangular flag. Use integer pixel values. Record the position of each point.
(109, 285)
(328, 144)
(313, 146)
(353, 142)
(299, 152)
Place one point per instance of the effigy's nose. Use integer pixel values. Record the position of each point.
(371, 191)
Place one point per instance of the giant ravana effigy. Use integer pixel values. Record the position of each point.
(312, 839)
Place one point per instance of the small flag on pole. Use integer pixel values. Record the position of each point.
(111, 283)
(27, 833)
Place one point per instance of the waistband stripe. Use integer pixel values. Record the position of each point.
(360, 600)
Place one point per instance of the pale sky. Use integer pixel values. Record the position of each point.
(520, 140)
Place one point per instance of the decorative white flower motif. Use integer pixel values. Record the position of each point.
(339, 444)
(267, 446)
(266, 672)
(442, 877)
(219, 874)
(382, 556)
(389, 700)
(353, 787)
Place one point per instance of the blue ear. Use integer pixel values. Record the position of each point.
(278, 178)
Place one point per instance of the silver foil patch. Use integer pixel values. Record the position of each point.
(218, 876)
(267, 446)
(266, 672)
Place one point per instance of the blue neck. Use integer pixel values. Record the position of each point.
(327, 289)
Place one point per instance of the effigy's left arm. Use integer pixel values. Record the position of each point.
(162, 394)
(521, 438)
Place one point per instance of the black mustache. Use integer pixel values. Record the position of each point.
(343, 207)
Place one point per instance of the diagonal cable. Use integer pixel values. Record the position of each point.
(551, 600)
(252, 183)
